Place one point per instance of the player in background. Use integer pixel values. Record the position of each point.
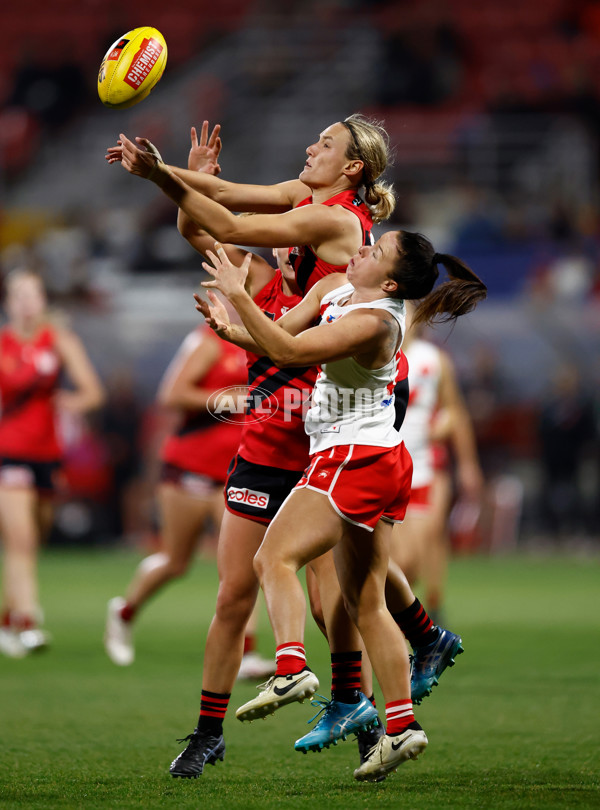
(436, 412)
(461, 446)
(34, 353)
(205, 375)
(360, 471)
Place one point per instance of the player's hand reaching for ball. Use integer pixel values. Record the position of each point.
(228, 278)
(132, 157)
(216, 315)
(204, 153)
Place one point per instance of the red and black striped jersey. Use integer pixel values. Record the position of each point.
(273, 433)
(308, 267)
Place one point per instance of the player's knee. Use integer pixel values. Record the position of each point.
(266, 562)
(177, 567)
(351, 604)
(235, 602)
(260, 563)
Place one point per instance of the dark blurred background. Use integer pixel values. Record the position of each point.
(494, 113)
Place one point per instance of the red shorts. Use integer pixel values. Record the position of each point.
(420, 499)
(364, 484)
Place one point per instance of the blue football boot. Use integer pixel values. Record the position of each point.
(337, 721)
(429, 662)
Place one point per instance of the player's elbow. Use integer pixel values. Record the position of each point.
(228, 233)
(285, 358)
(187, 228)
(184, 226)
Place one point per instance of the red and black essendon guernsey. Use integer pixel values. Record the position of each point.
(308, 267)
(280, 393)
(204, 445)
(29, 372)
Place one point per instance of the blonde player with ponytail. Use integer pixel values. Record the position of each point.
(321, 214)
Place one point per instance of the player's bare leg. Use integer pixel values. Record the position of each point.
(20, 535)
(409, 544)
(362, 566)
(434, 648)
(238, 588)
(182, 517)
(290, 543)
(350, 710)
(435, 566)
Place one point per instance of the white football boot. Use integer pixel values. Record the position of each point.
(34, 640)
(389, 752)
(10, 644)
(118, 641)
(278, 691)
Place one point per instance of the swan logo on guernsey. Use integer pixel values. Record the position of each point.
(250, 497)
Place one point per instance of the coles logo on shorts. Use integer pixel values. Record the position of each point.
(248, 496)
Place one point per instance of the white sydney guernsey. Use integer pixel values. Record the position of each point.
(352, 404)
(424, 372)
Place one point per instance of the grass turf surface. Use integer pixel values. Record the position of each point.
(513, 725)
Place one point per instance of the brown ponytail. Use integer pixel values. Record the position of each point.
(417, 271)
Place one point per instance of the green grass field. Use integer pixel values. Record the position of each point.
(514, 725)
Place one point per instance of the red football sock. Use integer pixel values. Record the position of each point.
(398, 716)
(128, 612)
(290, 658)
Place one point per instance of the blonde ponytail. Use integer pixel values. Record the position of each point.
(381, 200)
(369, 143)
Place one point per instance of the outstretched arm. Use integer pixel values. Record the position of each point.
(204, 158)
(234, 196)
(344, 338)
(217, 318)
(302, 226)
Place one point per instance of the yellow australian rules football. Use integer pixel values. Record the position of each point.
(132, 67)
